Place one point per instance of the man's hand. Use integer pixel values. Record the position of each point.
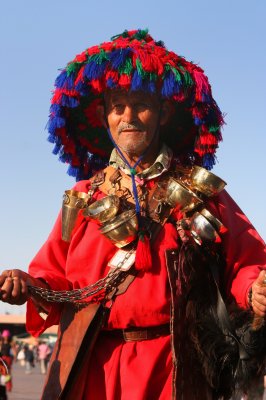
(259, 295)
(14, 286)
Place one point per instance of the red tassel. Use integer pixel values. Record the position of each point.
(143, 261)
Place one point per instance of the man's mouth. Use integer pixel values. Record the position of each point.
(129, 128)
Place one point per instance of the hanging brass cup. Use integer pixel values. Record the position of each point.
(122, 229)
(216, 223)
(73, 202)
(180, 197)
(104, 209)
(202, 230)
(206, 182)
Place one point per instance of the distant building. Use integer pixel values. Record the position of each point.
(16, 324)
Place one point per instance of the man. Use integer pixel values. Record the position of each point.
(136, 250)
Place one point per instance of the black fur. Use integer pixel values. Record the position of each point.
(215, 346)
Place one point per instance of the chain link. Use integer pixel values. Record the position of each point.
(103, 286)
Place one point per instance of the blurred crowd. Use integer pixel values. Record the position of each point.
(26, 354)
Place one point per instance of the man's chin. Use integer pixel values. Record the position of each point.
(133, 150)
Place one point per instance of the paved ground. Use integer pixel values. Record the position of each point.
(26, 386)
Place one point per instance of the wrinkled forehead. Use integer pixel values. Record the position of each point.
(112, 95)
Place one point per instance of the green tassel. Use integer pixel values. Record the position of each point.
(141, 34)
(126, 68)
(153, 76)
(188, 79)
(177, 75)
(72, 67)
(99, 57)
(213, 128)
(140, 69)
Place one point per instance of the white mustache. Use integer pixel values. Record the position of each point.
(125, 126)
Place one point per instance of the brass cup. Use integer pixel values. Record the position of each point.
(104, 209)
(122, 229)
(180, 197)
(213, 220)
(73, 202)
(202, 230)
(206, 182)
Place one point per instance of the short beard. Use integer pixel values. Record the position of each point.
(138, 147)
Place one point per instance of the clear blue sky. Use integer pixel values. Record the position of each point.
(226, 38)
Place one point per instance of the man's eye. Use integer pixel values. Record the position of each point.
(142, 106)
(118, 107)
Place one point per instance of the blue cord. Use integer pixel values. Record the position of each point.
(132, 172)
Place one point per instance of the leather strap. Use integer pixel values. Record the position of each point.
(138, 334)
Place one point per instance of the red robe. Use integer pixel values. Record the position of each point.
(137, 370)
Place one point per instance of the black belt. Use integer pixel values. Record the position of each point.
(137, 334)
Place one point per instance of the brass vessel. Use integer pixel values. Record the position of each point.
(73, 202)
(202, 230)
(206, 182)
(213, 220)
(104, 209)
(178, 196)
(122, 229)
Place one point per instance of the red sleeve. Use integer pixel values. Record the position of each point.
(49, 264)
(244, 249)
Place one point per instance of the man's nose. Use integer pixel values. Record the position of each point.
(129, 114)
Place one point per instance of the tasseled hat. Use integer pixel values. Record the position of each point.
(133, 61)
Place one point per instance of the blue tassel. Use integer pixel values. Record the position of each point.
(65, 81)
(110, 83)
(56, 109)
(82, 88)
(170, 85)
(68, 101)
(136, 83)
(63, 158)
(54, 123)
(70, 82)
(58, 140)
(56, 149)
(208, 161)
(151, 86)
(93, 70)
(206, 98)
(119, 57)
(51, 138)
(198, 121)
(60, 80)
(73, 171)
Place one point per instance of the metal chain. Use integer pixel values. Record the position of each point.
(104, 285)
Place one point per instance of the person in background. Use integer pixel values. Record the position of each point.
(7, 351)
(29, 358)
(43, 355)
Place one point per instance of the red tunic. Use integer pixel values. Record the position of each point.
(137, 370)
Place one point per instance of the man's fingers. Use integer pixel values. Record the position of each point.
(14, 290)
(259, 301)
(6, 289)
(261, 280)
(4, 275)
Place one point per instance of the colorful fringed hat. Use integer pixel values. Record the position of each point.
(133, 61)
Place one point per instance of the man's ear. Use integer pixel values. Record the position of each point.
(166, 112)
(100, 112)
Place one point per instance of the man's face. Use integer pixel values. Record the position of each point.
(133, 119)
